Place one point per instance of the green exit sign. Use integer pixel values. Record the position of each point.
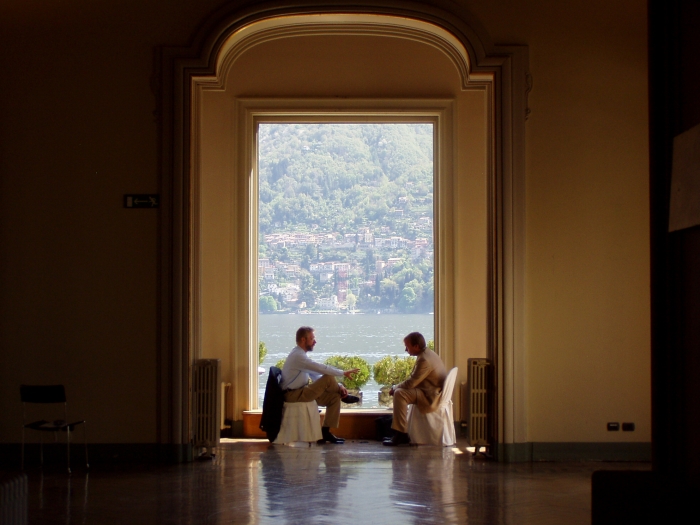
(142, 201)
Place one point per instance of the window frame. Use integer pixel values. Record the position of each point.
(250, 113)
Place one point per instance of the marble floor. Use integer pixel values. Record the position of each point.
(358, 482)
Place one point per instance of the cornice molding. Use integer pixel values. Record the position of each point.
(211, 35)
(243, 40)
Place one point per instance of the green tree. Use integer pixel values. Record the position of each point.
(312, 251)
(351, 301)
(308, 296)
(267, 304)
(407, 302)
(389, 291)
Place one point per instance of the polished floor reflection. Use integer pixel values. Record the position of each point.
(359, 482)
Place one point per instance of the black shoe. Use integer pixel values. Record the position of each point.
(400, 438)
(328, 437)
(350, 399)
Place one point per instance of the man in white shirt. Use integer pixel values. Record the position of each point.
(325, 390)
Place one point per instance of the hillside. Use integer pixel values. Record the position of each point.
(345, 212)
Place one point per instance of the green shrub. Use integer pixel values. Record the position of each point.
(391, 370)
(430, 345)
(280, 364)
(348, 362)
(262, 352)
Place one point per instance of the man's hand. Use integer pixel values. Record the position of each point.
(342, 390)
(350, 373)
(391, 392)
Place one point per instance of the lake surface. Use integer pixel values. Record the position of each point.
(368, 336)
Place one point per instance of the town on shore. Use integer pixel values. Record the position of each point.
(360, 272)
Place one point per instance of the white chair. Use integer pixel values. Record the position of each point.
(435, 428)
(301, 424)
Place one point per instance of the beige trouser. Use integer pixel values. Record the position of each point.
(402, 398)
(325, 392)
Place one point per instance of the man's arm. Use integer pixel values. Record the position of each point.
(420, 372)
(304, 363)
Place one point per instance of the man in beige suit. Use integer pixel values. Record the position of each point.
(421, 389)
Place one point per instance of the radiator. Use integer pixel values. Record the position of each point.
(14, 496)
(206, 390)
(475, 402)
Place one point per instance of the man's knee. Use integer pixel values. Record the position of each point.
(404, 397)
(403, 394)
(328, 382)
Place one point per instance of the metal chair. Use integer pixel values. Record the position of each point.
(49, 394)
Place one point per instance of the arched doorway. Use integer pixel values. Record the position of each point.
(320, 64)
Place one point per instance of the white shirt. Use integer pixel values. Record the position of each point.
(298, 368)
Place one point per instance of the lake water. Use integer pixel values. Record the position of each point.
(368, 336)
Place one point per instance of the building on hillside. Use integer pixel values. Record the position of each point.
(328, 303)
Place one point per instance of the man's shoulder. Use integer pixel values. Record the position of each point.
(298, 355)
(428, 355)
(432, 358)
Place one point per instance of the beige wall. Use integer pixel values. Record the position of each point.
(79, 274)
(587, 302)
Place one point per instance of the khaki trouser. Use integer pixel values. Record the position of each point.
(402, 398)
(325, 392)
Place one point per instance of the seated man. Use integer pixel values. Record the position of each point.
(297, 370)
(421, 389)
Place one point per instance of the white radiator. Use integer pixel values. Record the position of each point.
(206, 391)
(475, 402)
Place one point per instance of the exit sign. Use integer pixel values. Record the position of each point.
(142, 201)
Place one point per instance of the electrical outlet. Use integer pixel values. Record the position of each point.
(628, 427)
(613, 427)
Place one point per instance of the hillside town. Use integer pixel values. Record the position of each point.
(301, 283)
(345, 218)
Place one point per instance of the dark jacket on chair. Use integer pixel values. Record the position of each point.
(271, 418)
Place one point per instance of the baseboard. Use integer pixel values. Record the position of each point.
(546, 451)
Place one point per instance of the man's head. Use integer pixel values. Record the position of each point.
(414, 343)
(305, 338)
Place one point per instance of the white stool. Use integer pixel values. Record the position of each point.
(301, 424)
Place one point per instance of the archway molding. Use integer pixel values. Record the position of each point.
(225, 37)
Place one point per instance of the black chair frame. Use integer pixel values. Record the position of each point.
(49, 394)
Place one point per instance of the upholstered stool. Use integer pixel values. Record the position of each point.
(301, 424)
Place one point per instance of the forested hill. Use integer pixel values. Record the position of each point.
(340, 177)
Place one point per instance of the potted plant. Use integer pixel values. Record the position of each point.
(391, 370)
(348, 362)
(262, 352)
